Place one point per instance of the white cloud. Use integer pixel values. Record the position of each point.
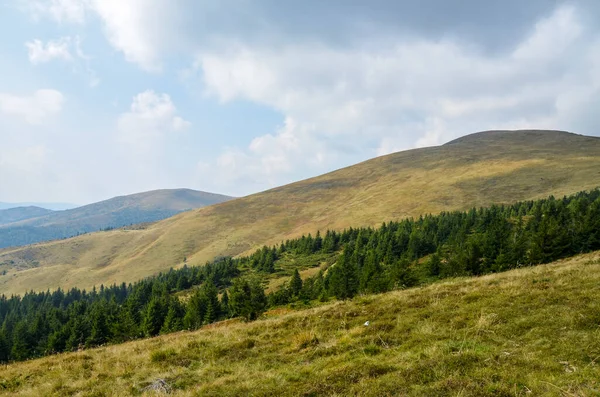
(340, 101)
(68, 49)
(551, 37)
(136, 28)
(293, 146)
(34, 109)
(140, 29)
(41, 53)
(151, 116)
(61, 11)
(412, 93)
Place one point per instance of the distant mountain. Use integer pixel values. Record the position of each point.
(21, 213)
(109, 214)
(48, 206)
(475, 171)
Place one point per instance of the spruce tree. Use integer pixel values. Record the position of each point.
(213, 307)
(225, 304)
(195, 310)
(344, 277)
(21, 342)
(174, 319)
(4, 348)
(154, 317)
(99, 333)
(295, 283)
(247, 299)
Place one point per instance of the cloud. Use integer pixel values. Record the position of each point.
(137, 28)
(140, 29)
(150, 117)
(349, 80)
(412, 93)
(41, 53)
(68, 49)
(34, 109)
(292, 147)
(61, 11)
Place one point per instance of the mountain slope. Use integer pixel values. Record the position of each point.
(477, 170)
(531, 331)
(48, 206)
(21, 213)
(113, 213)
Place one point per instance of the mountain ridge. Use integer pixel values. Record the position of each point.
(116, 212)
(508, 134)
(516, 167)
(16, 214)
(47, 206)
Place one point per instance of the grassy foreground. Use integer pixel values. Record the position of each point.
(532, 331)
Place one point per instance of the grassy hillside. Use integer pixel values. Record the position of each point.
(531, 331)
(17, 214)
(477, 170)
(113, 213)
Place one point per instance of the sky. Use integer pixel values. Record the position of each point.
(100, 98)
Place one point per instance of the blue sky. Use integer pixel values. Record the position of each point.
(108, 97)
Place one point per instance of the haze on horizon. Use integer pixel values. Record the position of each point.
(103, 97)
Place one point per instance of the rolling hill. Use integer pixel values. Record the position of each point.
(48, 206)
(476, 170)
(17, 214)
(113, 213)
(531, 331)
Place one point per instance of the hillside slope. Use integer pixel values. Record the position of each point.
(531, 331)
(113, 213)
(48, 206)
(17, 214)
(477, 170)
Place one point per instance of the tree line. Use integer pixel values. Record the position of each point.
(43, 323)
(470, 243)
(396, 255)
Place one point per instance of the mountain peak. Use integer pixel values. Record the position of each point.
(517, 136)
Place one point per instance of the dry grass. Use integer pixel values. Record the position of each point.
(527, 332)
(476, 172)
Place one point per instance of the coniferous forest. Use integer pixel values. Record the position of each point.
(396, 255)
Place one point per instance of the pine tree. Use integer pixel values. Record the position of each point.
(125, 328)
(247, 299)
(317, 243)
(295, 283)
(318, 288)
(174, 319)
(57, 341)
(21, 342)
(258, 299)
(100, 332)
(402, 275)
(344, 277)
(434, 265)
(78, 333)
(371, 277)
(213, 307)
(195, 310)
(4, 348)
(225, 304)
(154, 317)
